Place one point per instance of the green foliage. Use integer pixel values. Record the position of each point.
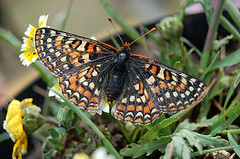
(182, 139)
(146, 147)
(57, 135)
(234, 143)
(225, 120)
(67, 118)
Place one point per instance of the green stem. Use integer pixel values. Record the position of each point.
(212, 150)
(135, 134)
(82, 115)
(128, 30)
(211, 35)
(125, 133)
(232, 131)
(4, 136)
(65, 18)
(10, 39)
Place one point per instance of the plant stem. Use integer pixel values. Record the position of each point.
(65, 18)
(212, 150)
(211, 35)
(232, 131)
(128, 30)
(47, 120)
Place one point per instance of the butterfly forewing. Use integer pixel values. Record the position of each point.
(82, 65)
(63, 52)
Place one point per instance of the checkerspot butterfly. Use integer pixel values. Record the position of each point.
(91, 71)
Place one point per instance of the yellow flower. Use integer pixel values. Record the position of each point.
(13, 125)
(80, 155)
(29, 55)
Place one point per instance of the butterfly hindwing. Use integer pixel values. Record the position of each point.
(135, 104)
(172, 89)
(86, 87)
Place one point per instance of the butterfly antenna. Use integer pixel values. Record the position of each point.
(153, 29)
(110, 20)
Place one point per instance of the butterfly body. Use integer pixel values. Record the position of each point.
(91, 71)
(118, 74)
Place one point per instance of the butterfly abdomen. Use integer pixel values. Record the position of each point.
(117, 77)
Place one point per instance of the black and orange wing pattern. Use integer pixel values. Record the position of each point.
(153, 88)
(84, 65)
(81, 64)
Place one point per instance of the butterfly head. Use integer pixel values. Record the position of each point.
(125, 48)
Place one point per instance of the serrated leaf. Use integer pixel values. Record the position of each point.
(193, 126)
(210, 141)
(180, 147)
(199, 140)
(225, 120)
(234, 143)
(146, 147)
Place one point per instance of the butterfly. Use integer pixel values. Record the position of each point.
(91, 71)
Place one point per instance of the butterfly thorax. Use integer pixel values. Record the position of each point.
(118, 75)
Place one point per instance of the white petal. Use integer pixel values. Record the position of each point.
(93, 38)
(42, 21)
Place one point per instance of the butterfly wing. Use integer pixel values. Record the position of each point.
(135, 104)
(81, 63)
(157, 89)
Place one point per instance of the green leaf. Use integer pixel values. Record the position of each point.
(152, 133)
(53, 133)
(180, 147)
(233, 11)
(193, 126)
(234, 143)
(147, 147)
(199, 140)
(230, 92)
(225, 120)
(232, 59)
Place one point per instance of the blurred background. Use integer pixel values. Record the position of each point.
(87, 18)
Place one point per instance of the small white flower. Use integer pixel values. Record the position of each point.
(101, 153)
(29, 55)
(42, 22)
(105, 108)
